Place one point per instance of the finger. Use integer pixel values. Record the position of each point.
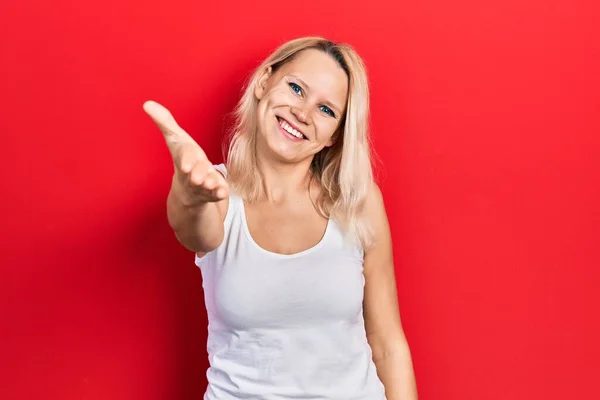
(214, 185)
(165, 122)
(212, 181)
(222, 184)
(199, 174)
(221, 193)
(186, 161)
(221, 189)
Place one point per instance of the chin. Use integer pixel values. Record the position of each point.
(284, 153)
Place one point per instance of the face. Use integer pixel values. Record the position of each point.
(300, 106)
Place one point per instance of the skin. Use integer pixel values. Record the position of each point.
(310, 94)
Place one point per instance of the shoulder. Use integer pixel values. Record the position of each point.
(374, 206)
(375, 213)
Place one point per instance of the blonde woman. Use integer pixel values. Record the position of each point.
(292, 238)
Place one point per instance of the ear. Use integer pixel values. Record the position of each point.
(261, 84)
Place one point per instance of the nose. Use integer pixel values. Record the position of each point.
(301, 114)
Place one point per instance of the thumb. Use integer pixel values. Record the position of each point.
(165, 122)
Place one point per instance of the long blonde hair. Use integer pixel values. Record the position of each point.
(343, 170)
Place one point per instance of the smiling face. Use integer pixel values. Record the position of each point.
(301, 106)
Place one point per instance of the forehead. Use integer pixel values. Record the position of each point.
(320, 71)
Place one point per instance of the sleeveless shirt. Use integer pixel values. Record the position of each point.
(283, 327)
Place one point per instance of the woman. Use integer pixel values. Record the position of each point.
(292, 237)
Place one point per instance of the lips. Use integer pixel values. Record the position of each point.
(290, 129)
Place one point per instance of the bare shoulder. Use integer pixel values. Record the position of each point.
(374, 203)
(379, 252)
(374, 210)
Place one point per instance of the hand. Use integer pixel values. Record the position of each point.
(195, 178)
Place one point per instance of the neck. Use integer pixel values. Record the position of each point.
(282, 181)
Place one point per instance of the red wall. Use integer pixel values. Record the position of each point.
(486, 120)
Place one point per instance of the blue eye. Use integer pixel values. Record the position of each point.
(327, 111)
(296, 88)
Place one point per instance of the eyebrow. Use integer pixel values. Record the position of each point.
(326, 102)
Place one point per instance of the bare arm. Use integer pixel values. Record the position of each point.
(198, 227)
(198, 198)
(391, 353)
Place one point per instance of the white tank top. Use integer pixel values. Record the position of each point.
(283, 327)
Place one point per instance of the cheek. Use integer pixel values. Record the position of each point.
(277, 97)
(262, 110)
(270, 100)
(327, 130)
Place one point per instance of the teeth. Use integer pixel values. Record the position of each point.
(290, 130)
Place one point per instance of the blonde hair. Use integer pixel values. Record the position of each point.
(343, 170)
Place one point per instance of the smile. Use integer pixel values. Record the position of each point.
(290, 129)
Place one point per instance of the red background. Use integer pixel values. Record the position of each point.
(486, 120)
